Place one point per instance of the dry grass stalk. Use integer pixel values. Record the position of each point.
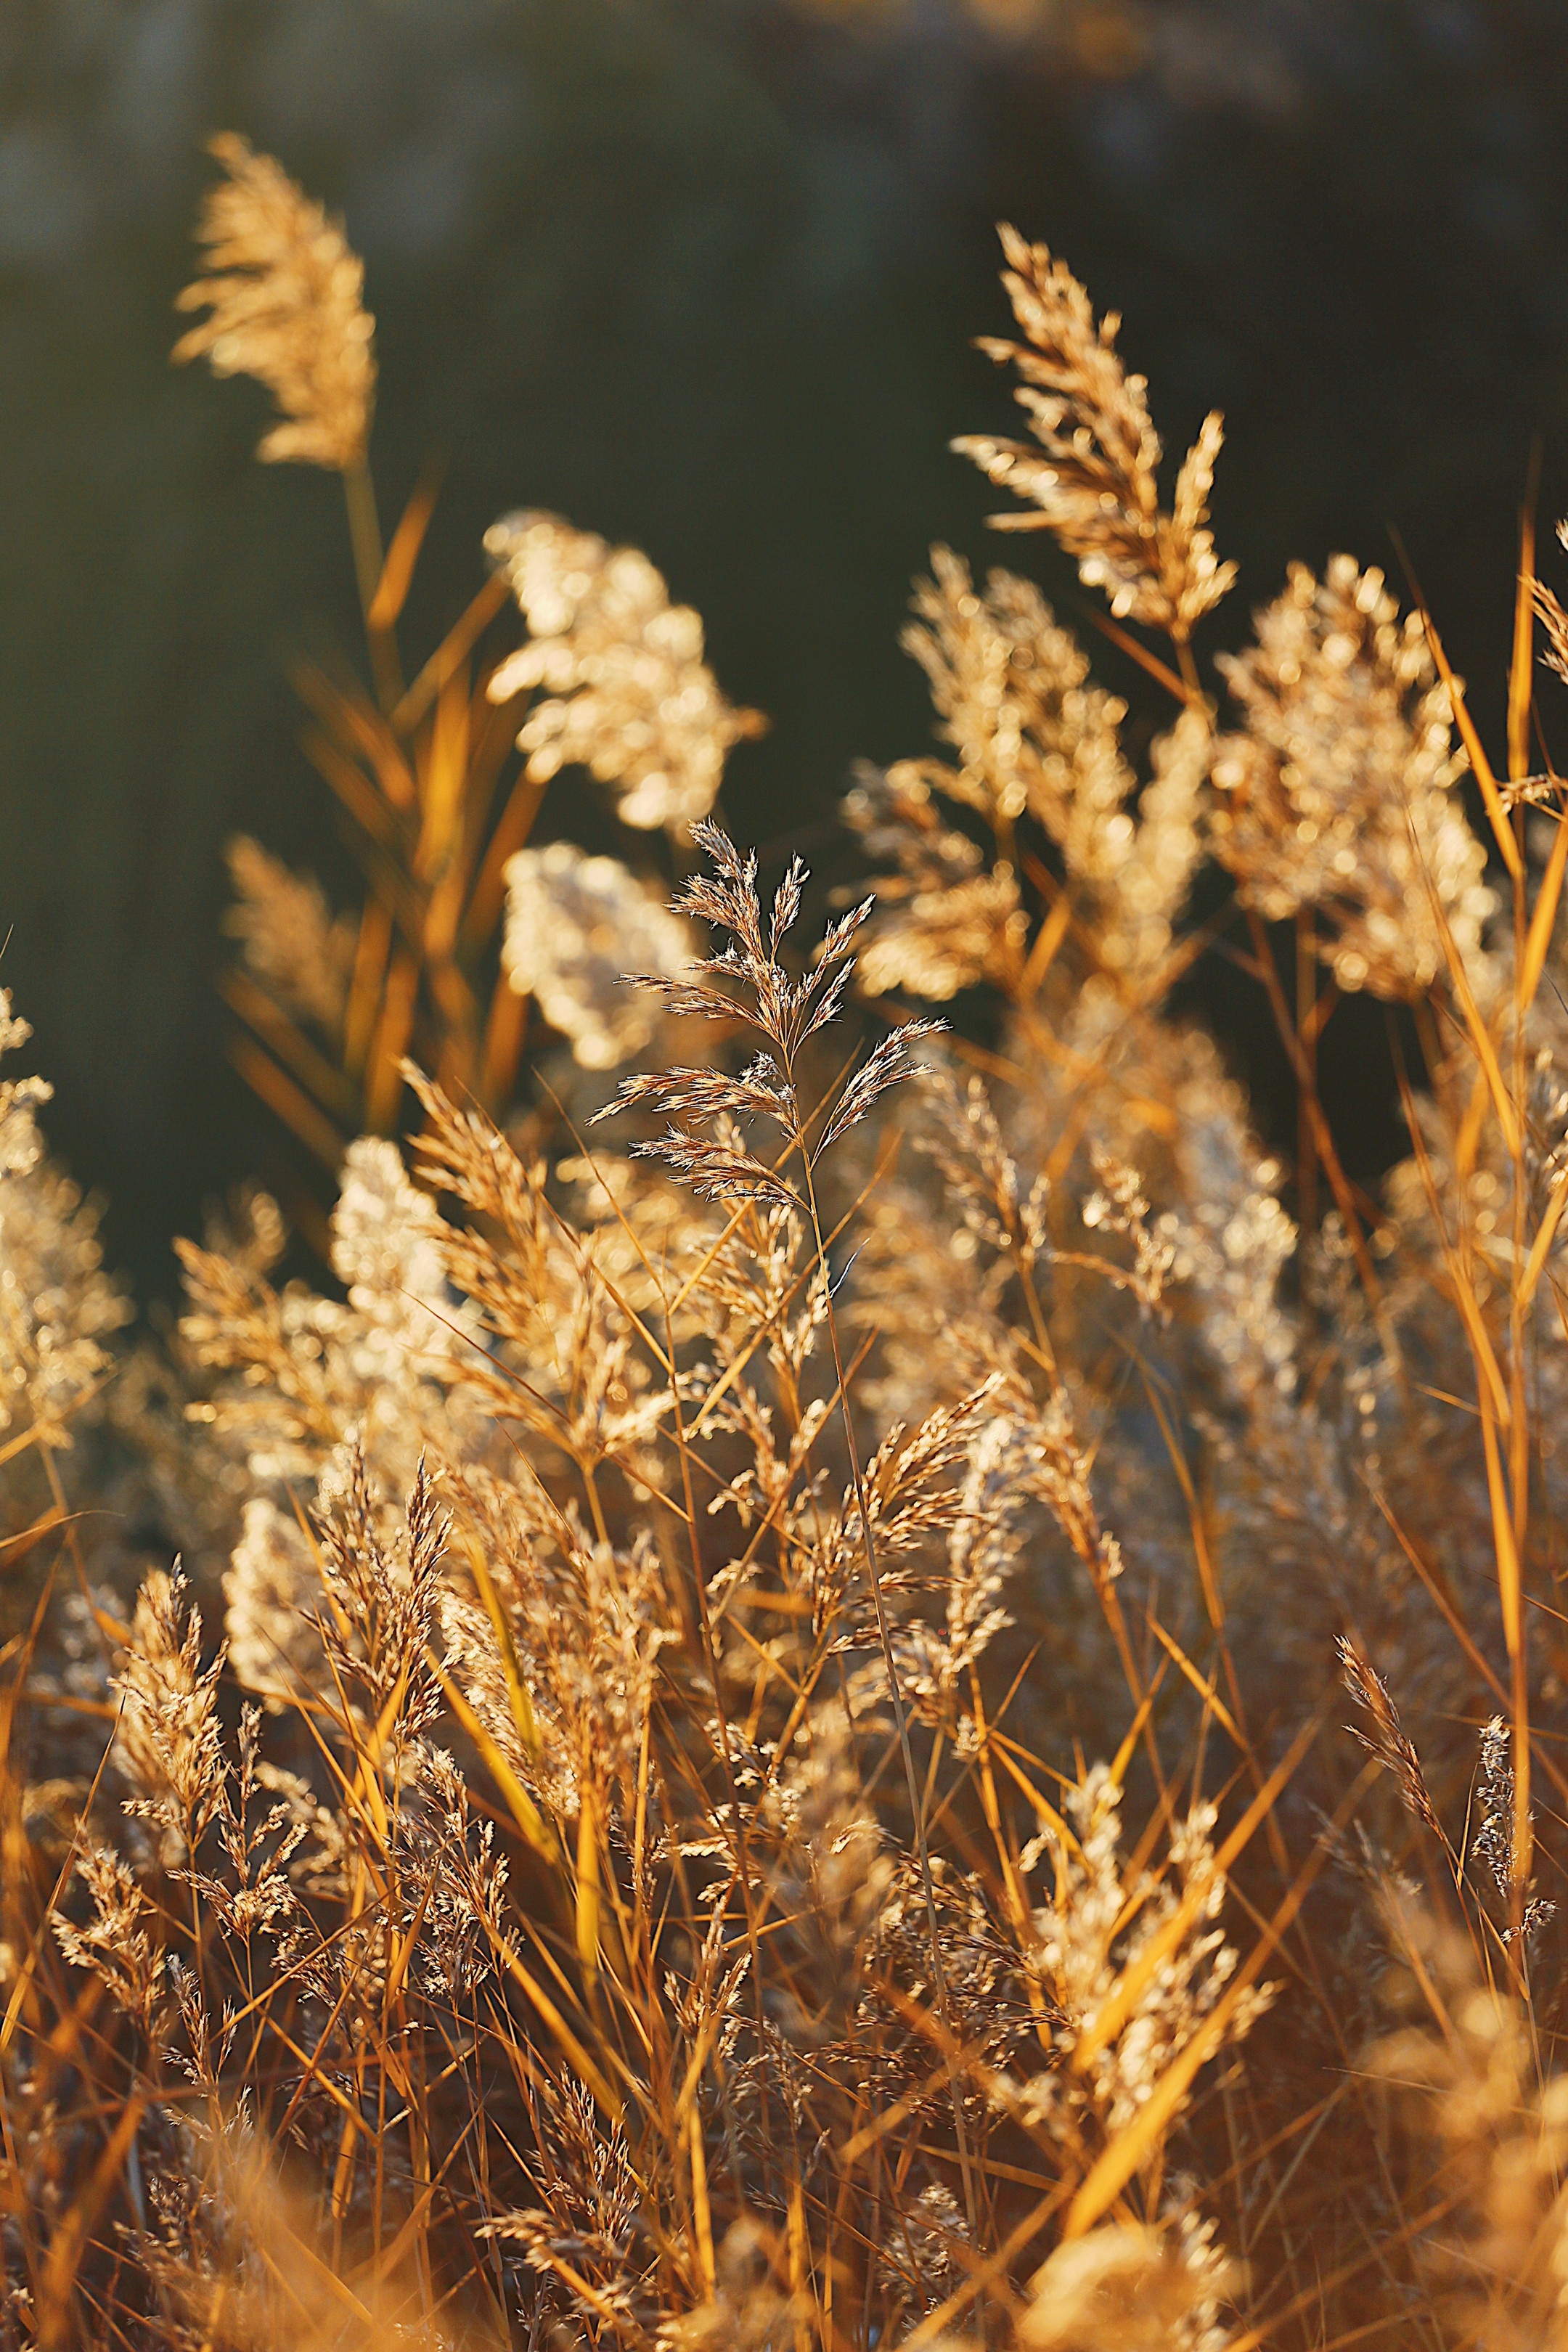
(1384, 1736)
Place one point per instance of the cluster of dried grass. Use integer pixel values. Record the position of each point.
(776, 1770)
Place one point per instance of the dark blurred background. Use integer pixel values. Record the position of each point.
(700, 275)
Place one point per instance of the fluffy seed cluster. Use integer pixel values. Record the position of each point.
(286, 304)
(626, 693)
(287, 936)
(58, 1309)
(576, 929)
(1341, 793)
(1094, 475)
(1039, 753)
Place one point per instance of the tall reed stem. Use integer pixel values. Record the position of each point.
(364, 535)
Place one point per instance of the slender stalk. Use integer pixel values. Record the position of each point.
(1307, 1034)
(364, 532)
(364, 535)
(1524, 1827)
(741, 1865)
(900, 1716)
(1328, 1155)
(1189, 669)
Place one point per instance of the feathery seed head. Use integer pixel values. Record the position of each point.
(1095, 482)
(626, 693)
(286, 305)
(578, 929)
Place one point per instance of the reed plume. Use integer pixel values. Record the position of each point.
(627, 693)
(286, 304)
(1094, 477)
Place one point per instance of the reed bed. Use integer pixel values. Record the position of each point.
(852, 1676)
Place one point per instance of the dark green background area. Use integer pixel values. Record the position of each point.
(700, 277)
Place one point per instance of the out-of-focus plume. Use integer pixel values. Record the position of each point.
(286, 304)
